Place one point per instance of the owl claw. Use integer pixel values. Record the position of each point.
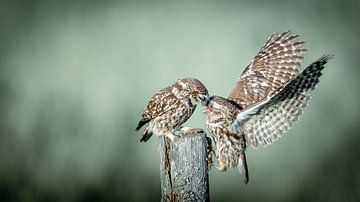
(220, 168)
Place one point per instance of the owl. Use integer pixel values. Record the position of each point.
(172, 106)
(267, 100)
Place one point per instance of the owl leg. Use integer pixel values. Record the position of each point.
(185, 129)
(181, 130)
(210, 152)
(214, 151)
(189, 130)
(223, 164)
(170, 135)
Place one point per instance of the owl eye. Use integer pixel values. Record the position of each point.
(203, 99)
(215, 107)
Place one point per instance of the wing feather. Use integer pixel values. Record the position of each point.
(276, 64)
(162, 102)
(275, 117)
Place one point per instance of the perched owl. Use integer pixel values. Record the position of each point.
(172, 106)
(267, 99)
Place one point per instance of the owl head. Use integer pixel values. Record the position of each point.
(219, 107)
(195, 90)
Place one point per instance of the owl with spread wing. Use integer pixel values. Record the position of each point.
(268, 98)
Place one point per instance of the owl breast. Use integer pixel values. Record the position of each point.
(185, 110)
(226, 139)
(227, 145)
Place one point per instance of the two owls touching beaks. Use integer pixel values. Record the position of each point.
(267, 99)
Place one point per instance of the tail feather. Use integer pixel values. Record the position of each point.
(141, 123)
(243, 168)
(242, 164)
(146, 136)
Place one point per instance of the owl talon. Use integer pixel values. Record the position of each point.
(220, 168)
(189, 130)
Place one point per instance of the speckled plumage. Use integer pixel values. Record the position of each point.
(276, 116)
(172, 106)
(277, 63)
(267, 99)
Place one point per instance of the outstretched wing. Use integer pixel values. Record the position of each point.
(276, 64)
(276, 116)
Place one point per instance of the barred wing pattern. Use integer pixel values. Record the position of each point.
(157, 107)
(277, 116)
(276, 64)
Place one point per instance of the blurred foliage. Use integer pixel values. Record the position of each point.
(76, 75)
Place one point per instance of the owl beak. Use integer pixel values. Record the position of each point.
(206, 110)
(204, 100)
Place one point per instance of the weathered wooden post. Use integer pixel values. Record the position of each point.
(184, 167)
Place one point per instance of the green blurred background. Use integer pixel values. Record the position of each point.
(76, 75)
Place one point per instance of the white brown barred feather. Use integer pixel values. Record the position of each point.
(276, 64)
(277, 116)
(266, 101)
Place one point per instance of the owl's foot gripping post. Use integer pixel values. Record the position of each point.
(184, 130)
(149, 132)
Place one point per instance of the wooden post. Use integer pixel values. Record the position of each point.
(184, 166)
